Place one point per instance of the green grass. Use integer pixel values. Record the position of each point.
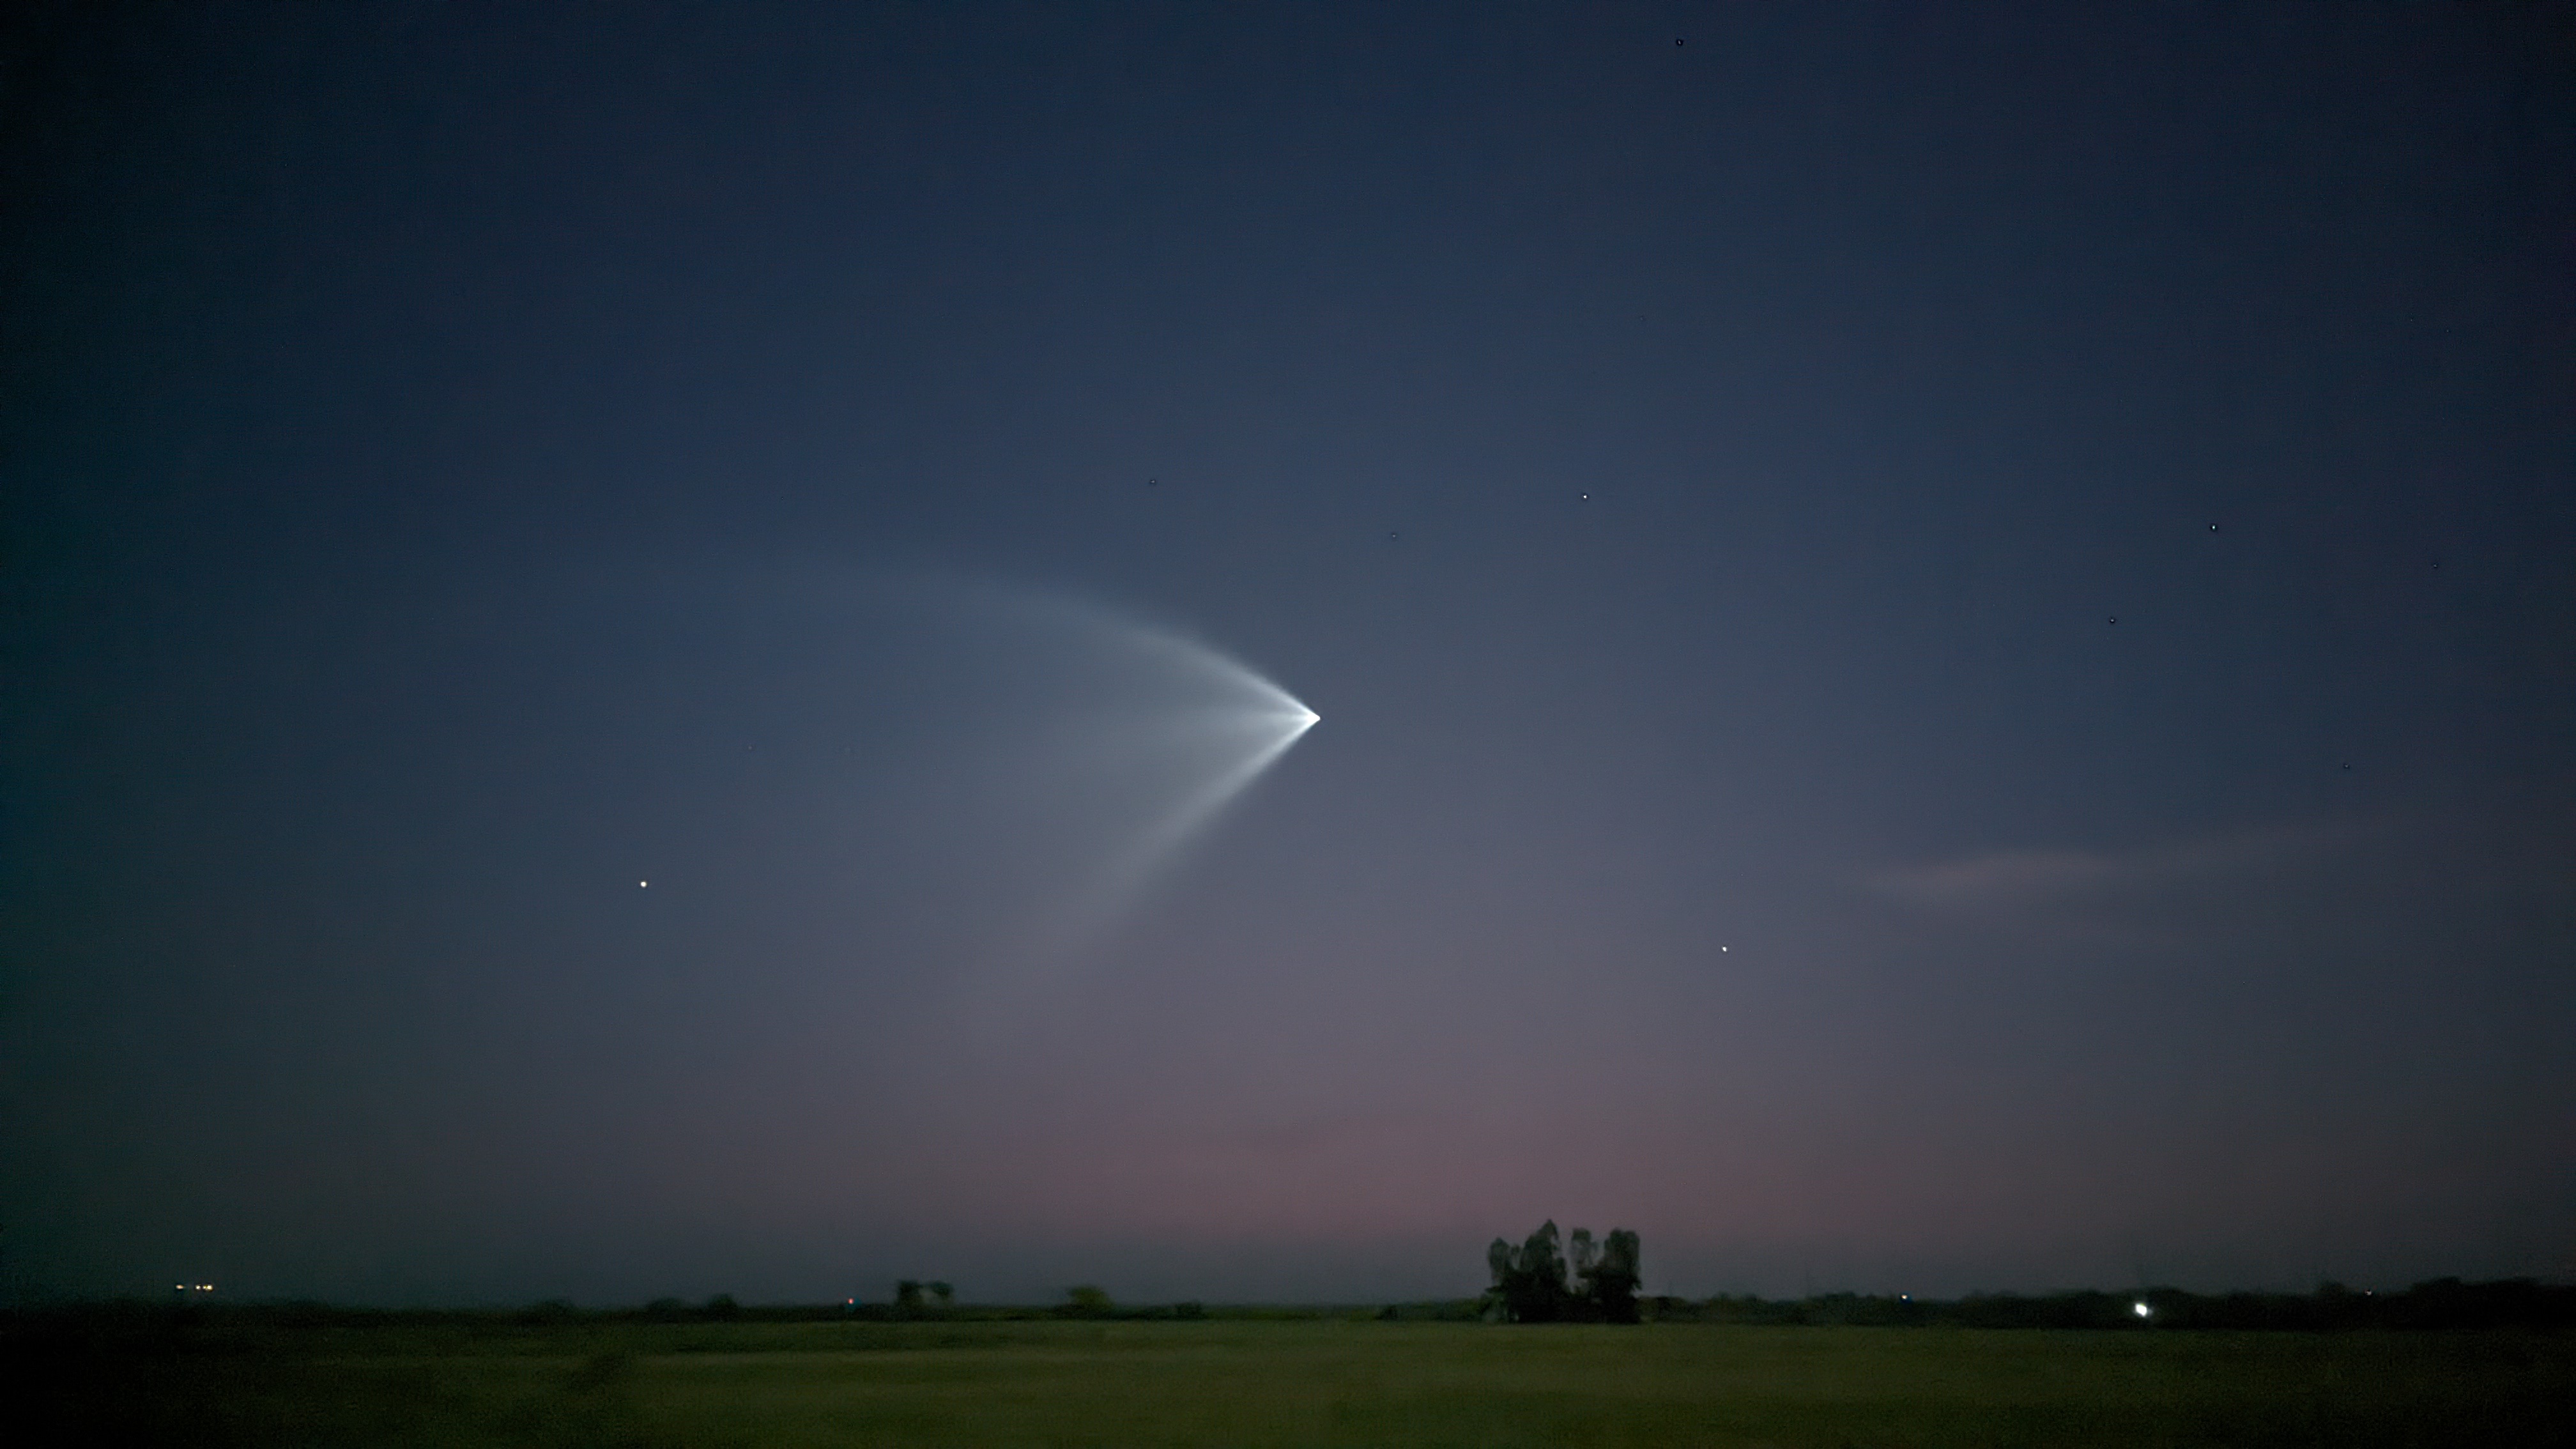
(1295, 1383)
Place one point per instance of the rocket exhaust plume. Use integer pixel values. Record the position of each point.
(1108, 747)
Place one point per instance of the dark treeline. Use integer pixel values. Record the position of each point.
(2440, 1303)
(2446, 1303)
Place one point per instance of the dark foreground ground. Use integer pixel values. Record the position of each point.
(1227, 1382)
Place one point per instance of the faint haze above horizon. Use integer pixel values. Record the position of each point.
(656, 650)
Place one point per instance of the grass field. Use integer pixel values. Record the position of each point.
(1225, 1382)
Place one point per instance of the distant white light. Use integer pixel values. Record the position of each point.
(643, 884)
(2141, 1309)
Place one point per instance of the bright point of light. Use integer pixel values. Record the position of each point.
(642, 884)
(2141, 1309)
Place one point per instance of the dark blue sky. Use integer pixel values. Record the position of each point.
(1944, 638)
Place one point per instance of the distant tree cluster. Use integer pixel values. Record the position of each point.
(908, 1302)
(1532, 1284)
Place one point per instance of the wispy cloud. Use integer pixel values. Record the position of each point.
(2020, 880)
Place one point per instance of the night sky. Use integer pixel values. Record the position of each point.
(1945, 640)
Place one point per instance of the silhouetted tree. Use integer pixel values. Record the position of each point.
(1610, 1277)
(1529, 1281)
(907, 1296)
(946, 1295)
(1086, 1302)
